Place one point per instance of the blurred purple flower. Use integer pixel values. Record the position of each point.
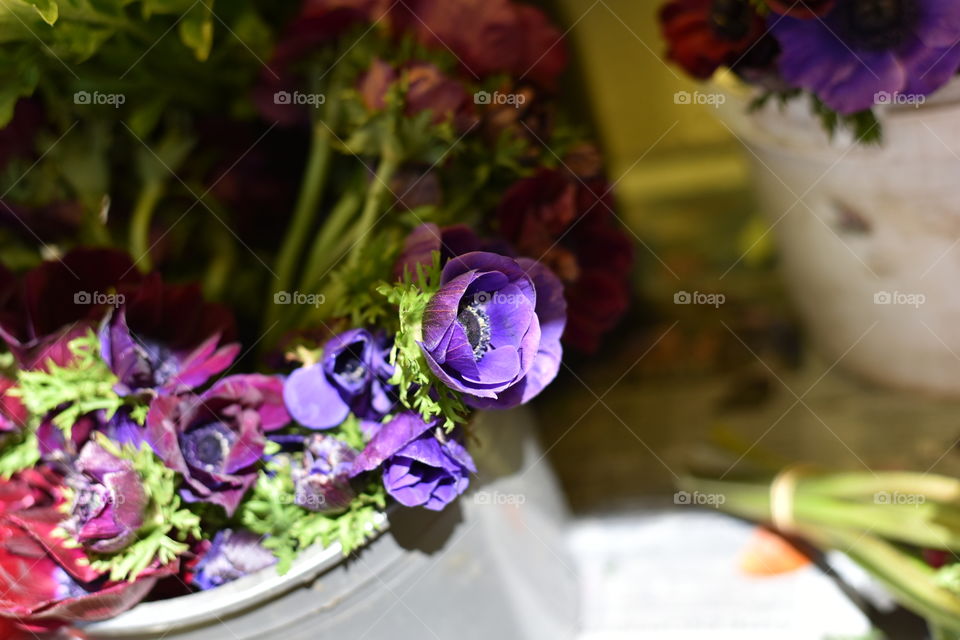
(860, 51)
(422, 466)
(233, 553)
(323, 483)
(351, 377)
(420, 244)
(493, 329)
(215, 440)
(109, 500)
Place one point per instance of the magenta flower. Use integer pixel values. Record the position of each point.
(165, 338)
(492, 331)
(109, 501)
(422, 466)
(216, 439)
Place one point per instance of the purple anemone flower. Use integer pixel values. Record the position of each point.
(165, 338)
(233, 553)
(864, 51)
(493, 329)
(215, 439)
(109, 500)
(323, 483)
(351, 377)
(120, 428)
(422, 465)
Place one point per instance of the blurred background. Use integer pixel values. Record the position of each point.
(621, 427)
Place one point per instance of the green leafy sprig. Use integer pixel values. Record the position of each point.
(83, 386)
(420, 389)
(167, 525)
(288, 528)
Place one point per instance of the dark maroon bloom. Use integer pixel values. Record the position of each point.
(233, 553)
(566, 222)
(804, 9)
(492, 36)
(59, 300)
(43, 583)
(216, 439)
(166, 338)
(420, 245)
(427, 89)
(108, 502)
(322, 484)
(422, 465)
(703, 35)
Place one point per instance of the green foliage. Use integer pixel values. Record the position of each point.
(19, 452)
(83, 386)
(289, 529)
(166, 525)
(354, 287)
(420, 389)
(948, 577)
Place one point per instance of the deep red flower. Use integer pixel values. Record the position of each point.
(804, 9)
(43, 583)
(565, 221)
(703, 35)
(491, 36)
(59, 300)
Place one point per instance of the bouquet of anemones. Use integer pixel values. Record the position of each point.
(849, 56)
(264, 262)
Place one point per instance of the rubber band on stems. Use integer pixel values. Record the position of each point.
(782, 492)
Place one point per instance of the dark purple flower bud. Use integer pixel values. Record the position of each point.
(492, 331)
(323, 483)
(422, 465)
(419, 246)
(166, 338)
(108, 503)
(120, 428)
(232, 554)
(215, 440)
(351, 377)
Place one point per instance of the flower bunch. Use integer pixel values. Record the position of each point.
(851, 56)
(452, 233)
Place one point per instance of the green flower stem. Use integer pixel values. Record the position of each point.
(376, 193)
(928, 524)
(326, 247)
(143, 211)
(910, 579)
(308, 202)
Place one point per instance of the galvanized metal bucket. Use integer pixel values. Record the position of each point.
(493, 565)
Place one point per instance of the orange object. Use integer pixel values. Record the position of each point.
(770, 554)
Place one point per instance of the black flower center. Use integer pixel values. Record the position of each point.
(207, 447)
(731, 19)
(349, 363)
(476, 324)
(876, 25)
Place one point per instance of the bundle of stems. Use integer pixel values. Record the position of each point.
(884, 521)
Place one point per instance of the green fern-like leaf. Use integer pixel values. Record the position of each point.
(83, 386)
(166, 524)
(420, 389)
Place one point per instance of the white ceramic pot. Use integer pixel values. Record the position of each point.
(869, 236)
(491, 566)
